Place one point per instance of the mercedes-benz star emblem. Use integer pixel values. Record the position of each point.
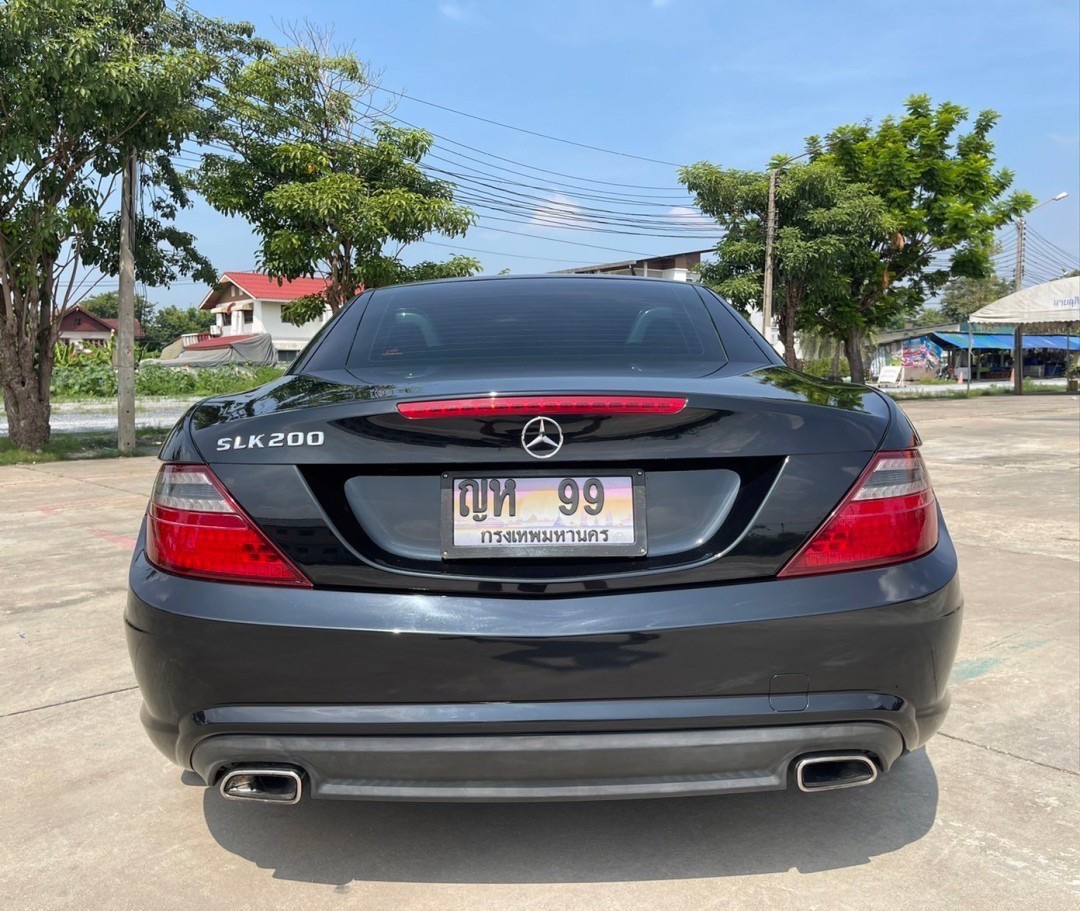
(541, 438)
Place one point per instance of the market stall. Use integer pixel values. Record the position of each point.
(1039, 309)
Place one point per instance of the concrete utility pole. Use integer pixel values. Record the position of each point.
(770, 233)
(125, 330)
(1021, 238)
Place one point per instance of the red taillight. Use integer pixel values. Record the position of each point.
(889, 516)
(541, 404)
(194, 528)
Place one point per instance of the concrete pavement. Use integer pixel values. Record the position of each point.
(985, 817)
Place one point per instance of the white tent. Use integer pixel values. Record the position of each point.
(1052, 302)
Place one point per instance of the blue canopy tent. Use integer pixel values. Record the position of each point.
(1005, 342)
(995, 341)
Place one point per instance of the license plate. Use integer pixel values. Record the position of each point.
(534, 515)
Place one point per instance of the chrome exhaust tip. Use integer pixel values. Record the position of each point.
(264, 785)
(832, 772)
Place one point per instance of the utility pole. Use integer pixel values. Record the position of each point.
(1018, 284)
(1021, 238)
(770, 232)
(125, 333)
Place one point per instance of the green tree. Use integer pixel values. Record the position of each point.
(328, 187)
(107, 306)
(944, 198)
(83, 84)
(963, 296)
(823, 221)
(929, 316)
(167, 324)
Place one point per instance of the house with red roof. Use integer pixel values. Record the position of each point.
(250, 303)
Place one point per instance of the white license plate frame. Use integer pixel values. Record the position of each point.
(575, 539)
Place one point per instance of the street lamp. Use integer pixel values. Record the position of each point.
(1018, 283)
(1021, 237)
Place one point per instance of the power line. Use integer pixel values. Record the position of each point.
(557, 240)
(550, 259)
(599, 230)
(530, 167)
(478, 176)
(548, 212)
(487, 190)
(1071, 257)
(580, 145)
(493, 122)
(572, 217)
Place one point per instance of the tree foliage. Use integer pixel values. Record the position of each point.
(945, 200)
(963, 296)
(166, 324)
(824, 221)
(107, 306)
(83, 83)
(329, 188)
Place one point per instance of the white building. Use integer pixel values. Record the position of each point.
(681, 267)
(248, 303)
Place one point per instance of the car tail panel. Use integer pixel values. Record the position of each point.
(353, 491)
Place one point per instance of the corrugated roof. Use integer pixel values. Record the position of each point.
(221, 341)
(269, 288)
(1001, 342)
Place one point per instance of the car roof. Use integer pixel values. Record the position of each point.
(547, 276)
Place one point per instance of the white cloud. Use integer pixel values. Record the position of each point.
(692, 219)
(453, 10)
(557, 208)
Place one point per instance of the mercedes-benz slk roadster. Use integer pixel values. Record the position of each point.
(541, 538)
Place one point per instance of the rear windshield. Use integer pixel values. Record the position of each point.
(537, 326)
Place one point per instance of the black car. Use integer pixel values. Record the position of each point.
(535, 538)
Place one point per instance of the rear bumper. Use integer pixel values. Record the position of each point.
(551, 766)
(688, 690)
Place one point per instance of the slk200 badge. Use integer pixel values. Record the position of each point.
(271, 440)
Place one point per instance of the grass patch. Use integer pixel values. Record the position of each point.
(72, 446)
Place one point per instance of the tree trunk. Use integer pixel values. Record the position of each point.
(787, 335)
(27, 354)
(788, 317)
(853, 348)
(27, 414)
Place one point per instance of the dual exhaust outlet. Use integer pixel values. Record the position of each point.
(283, 785)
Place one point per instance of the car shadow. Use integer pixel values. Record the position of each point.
(338, 842)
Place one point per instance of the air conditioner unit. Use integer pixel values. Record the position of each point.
(215, 330)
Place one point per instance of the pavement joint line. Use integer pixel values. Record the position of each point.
(96, 483)
(53, 705)
(1000, 752)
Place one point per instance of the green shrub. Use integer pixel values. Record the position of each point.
(92, 376)
(225, 380)
(90, 379)
(154, 380)
(157, 380)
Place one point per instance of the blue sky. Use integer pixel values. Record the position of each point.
(685, 80)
